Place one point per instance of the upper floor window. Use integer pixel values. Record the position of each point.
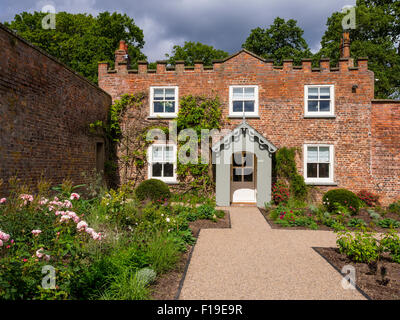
(162, 162)
(318, 163)
(243, 99)
(319, 100)
(164, 101)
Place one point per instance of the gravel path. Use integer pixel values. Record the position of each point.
(252, 261)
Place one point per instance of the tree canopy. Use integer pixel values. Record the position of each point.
(376, 36)
(282, 40)
(81, 40)
(192, 51)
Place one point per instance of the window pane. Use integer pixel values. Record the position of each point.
(323, 154)
(158, 107)
(249, 106)
(237, 106)
(169, 94)
(324, 93)
(312, 106)
(237, 93)
(157, 154)
(249, 93)
(312, 93)
(168, 170)
(312, 170)
(169, 153)
(237, 174)
(312, 154)
(157, 169)
(324, 105)
(248, 174)
(169, 106)
(324, 170)
(158, 94)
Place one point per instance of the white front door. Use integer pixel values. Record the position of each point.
(243, 178)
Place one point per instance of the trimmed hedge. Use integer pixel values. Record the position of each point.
(342, 196)
(152, 189)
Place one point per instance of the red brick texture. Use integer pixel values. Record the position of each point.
(385, 153)
(281, 108)
(45, 111)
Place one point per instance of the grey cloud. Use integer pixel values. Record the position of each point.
(223, 24)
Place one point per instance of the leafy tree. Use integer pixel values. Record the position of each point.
(376, 36)
(282, 40)
(193, 51)
(81, 40)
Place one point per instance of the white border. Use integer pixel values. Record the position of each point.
(318, 113)
(172, 179)
(165, 115)
(240, 114)
(329, 180)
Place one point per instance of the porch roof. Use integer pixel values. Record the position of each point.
(254, 136)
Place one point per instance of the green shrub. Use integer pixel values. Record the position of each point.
(153, 189)
(360, 247)
(391, 243)
(394, 207)
(356, 223)
(343, 197)
(373, 214)
(206, 211)
(388, 223)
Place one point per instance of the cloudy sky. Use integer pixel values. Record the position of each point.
(224, 24)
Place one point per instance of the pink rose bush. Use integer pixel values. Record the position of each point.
(3, 200)
(4, 237)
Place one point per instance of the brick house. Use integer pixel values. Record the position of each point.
(347, 139)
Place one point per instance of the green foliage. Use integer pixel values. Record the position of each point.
(153, 189)
(81, 40)
(146, 276)
(360, 247)
(286, 169)
(388, 223)
(356, 223)
(343, 197)
(394, 207)
(198, 113)
(391, 243)
(282, 40)
(374, 215)
(192, 52)
(206, 212)
(376, 37)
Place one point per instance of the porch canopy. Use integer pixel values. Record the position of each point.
(244, 138)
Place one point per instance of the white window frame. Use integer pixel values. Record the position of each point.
(316, 114)
(240, 114)
(164, 114)
(172, 179)
(329, 180)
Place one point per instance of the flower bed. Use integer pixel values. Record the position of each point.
(108, 247)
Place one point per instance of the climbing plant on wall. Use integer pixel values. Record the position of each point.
(286, 169)
(197, 113)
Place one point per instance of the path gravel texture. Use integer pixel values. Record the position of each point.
(252, 261)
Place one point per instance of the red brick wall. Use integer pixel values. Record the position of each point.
(45, 110)
(281, 106)
(385, 153)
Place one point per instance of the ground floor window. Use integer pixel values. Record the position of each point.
(318, 163)
(162, 162)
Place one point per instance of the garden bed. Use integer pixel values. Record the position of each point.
(368, 280)
(362, 214)
(167, 286)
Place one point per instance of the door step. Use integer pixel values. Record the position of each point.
(243, 204)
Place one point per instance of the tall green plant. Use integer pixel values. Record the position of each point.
(286, 169)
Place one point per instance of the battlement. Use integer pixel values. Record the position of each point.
(122, 65)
